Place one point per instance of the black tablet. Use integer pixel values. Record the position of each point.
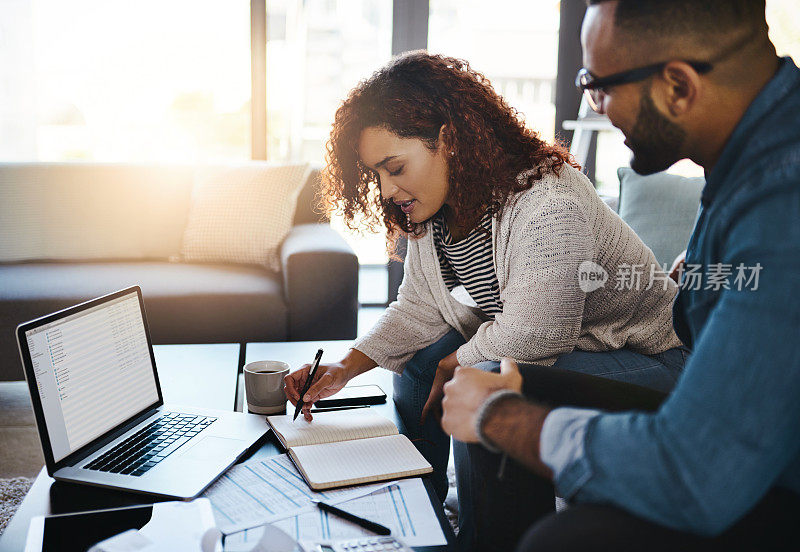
(167, 523)
(79, 532)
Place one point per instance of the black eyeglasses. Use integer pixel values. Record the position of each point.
(595, 87)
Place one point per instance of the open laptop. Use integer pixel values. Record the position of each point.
(101, 417)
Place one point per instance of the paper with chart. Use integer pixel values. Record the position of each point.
(262, 491)
(403, 506)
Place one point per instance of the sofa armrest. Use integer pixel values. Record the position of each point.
(320, 282)
(611, 201)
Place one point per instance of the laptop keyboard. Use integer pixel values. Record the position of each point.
(151, 444)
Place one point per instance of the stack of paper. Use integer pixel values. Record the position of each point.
(273, 491)
(262, 491)
(403, 506)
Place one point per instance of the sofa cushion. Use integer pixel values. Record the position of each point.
(309, 208)
(87, 211)
(661, 208)
(242, 214)
(185, 303)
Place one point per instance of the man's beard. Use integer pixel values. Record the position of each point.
(655, 140)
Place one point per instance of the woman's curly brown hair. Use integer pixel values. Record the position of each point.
(413, 97)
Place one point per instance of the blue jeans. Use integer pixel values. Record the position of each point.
(411, 390)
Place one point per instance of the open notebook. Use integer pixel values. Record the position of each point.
(348, 447)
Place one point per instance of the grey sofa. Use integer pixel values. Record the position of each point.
(315, 296)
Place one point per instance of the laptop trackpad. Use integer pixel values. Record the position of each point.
(214, 448)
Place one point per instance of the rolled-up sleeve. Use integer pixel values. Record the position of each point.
(561, 442)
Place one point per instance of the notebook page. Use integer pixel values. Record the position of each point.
(329, 427)
(361, 461)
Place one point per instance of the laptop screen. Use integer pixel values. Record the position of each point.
(93, 371)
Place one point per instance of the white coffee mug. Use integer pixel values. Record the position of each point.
(264, 386)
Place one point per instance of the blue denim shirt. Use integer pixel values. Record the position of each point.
(730, 430)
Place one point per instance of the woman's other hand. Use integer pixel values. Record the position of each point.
(678, 266)
(444, 373)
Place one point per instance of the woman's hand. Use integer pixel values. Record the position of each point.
(444, 372)
(329, 379)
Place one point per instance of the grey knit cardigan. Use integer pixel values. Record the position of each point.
(540, 241)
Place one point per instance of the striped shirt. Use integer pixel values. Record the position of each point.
(469, 263)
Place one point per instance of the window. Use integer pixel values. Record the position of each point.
(514, 44)
(108, 80)
(784, 29)
(317, 50)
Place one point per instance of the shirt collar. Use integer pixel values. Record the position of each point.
(442, 232)
(785, 81)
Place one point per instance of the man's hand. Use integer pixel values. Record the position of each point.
(467, 390)
(513, 425)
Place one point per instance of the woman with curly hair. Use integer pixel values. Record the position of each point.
(499, 223)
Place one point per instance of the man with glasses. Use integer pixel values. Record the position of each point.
(716, 464)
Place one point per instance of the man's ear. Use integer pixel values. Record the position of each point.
(681, 88)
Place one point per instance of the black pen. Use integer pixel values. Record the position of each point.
(376, 528)
(307, 384)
